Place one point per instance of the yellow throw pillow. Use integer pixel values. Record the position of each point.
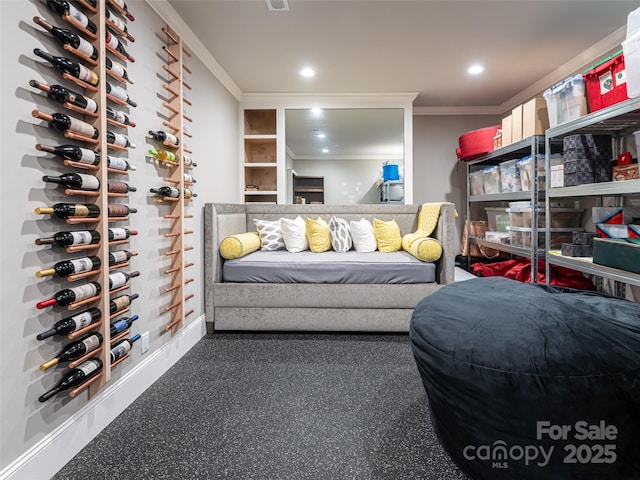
(387, 235)
(426, 249)
(237, 246)
(318, 235)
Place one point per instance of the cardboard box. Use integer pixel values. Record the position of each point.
(535, 117)
(506, 131)
(621, 253)
(516, 124)
(626, 172)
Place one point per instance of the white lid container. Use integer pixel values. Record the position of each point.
(631, 52)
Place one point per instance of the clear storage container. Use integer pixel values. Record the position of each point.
(497, 219)
(523, 236)
(566, 100)
(476, 182)
(510, 176)
(560, 217)
(491, 180)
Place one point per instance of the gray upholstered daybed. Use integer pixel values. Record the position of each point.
(315, 306)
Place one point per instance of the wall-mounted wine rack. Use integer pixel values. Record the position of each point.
(173, 155)
(102, 25)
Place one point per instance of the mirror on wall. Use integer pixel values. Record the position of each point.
(341, 151)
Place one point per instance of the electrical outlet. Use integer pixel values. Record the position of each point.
(144, 342)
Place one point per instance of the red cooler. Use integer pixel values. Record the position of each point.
(476, 142)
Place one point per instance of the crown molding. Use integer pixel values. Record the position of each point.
(457, 111)
(330, 100)
(376, 157)
(173, 18)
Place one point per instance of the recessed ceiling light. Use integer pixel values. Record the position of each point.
(316, 111)
(325, 150)
(475, 69)
(321, 135)
(307, 72)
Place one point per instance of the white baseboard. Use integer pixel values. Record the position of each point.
(53, 452)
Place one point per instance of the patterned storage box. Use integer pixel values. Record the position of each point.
(587, 146)
(585, 170)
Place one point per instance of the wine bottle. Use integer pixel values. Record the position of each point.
(120, 279)
(74, 180)
(186, 160)
(71, 267)
(72, 351)
(63, 122)
(119, 210)
(68, 239)
(72, 152)
(70, 295)
(120, 233)
(165, 191)
(120, 303)
(123, 6)
(74, 377)
(118, 69)
(68, 210)
(118, 139)
(188, 193)
(67, 65)
(122, 347)
(64, 95)
(63, 8)
(119, 24)
(119, 256)
(120, 187)
(119, 164)
(165, 138)
(120, 93)
(114, 42)
(64, 36)
(72, 324)
(163, 155)
(118, 116)
(188, 178)
(121, 325)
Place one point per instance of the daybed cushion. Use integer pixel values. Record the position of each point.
(329, 267)
(270, 234)
(294, 234)
(318, 235)
(340, 234)
(237, 246)
(387, 235)
(363, 236)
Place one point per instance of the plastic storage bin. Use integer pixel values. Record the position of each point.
(566, 100)
(491, 180)
(631, 51)
(476, 183)
(497, 219)
(510, 176)
(522, 237)
(390, 171)
(560, 217)
(606, 83)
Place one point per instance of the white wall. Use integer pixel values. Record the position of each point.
(25, 421)
(438, 175)
(345, 181)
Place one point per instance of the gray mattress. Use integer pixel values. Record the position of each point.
(328, 267)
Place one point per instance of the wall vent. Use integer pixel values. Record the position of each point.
(278, 5)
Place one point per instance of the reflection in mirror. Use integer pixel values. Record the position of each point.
(342, 153)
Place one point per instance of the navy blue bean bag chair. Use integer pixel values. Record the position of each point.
(526, 381)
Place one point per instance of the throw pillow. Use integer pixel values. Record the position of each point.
(340, 234)
(388, 235)
(364, 239)
(270, 234)
(294, 234)
(318, 235)
(237, 246)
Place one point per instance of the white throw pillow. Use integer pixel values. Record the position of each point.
(270, 234)
(340, 234)
(293, 233)
(363, 236)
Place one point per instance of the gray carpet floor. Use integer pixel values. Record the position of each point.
(278, 407)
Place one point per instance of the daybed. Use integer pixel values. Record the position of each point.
(315, 306)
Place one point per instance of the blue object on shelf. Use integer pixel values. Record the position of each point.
(390, 172)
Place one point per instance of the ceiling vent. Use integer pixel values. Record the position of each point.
(278, 5)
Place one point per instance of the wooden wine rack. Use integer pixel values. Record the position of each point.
(101, 198)
(174, 87)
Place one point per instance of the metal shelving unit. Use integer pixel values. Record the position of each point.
(533, 146)
(618, 120)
